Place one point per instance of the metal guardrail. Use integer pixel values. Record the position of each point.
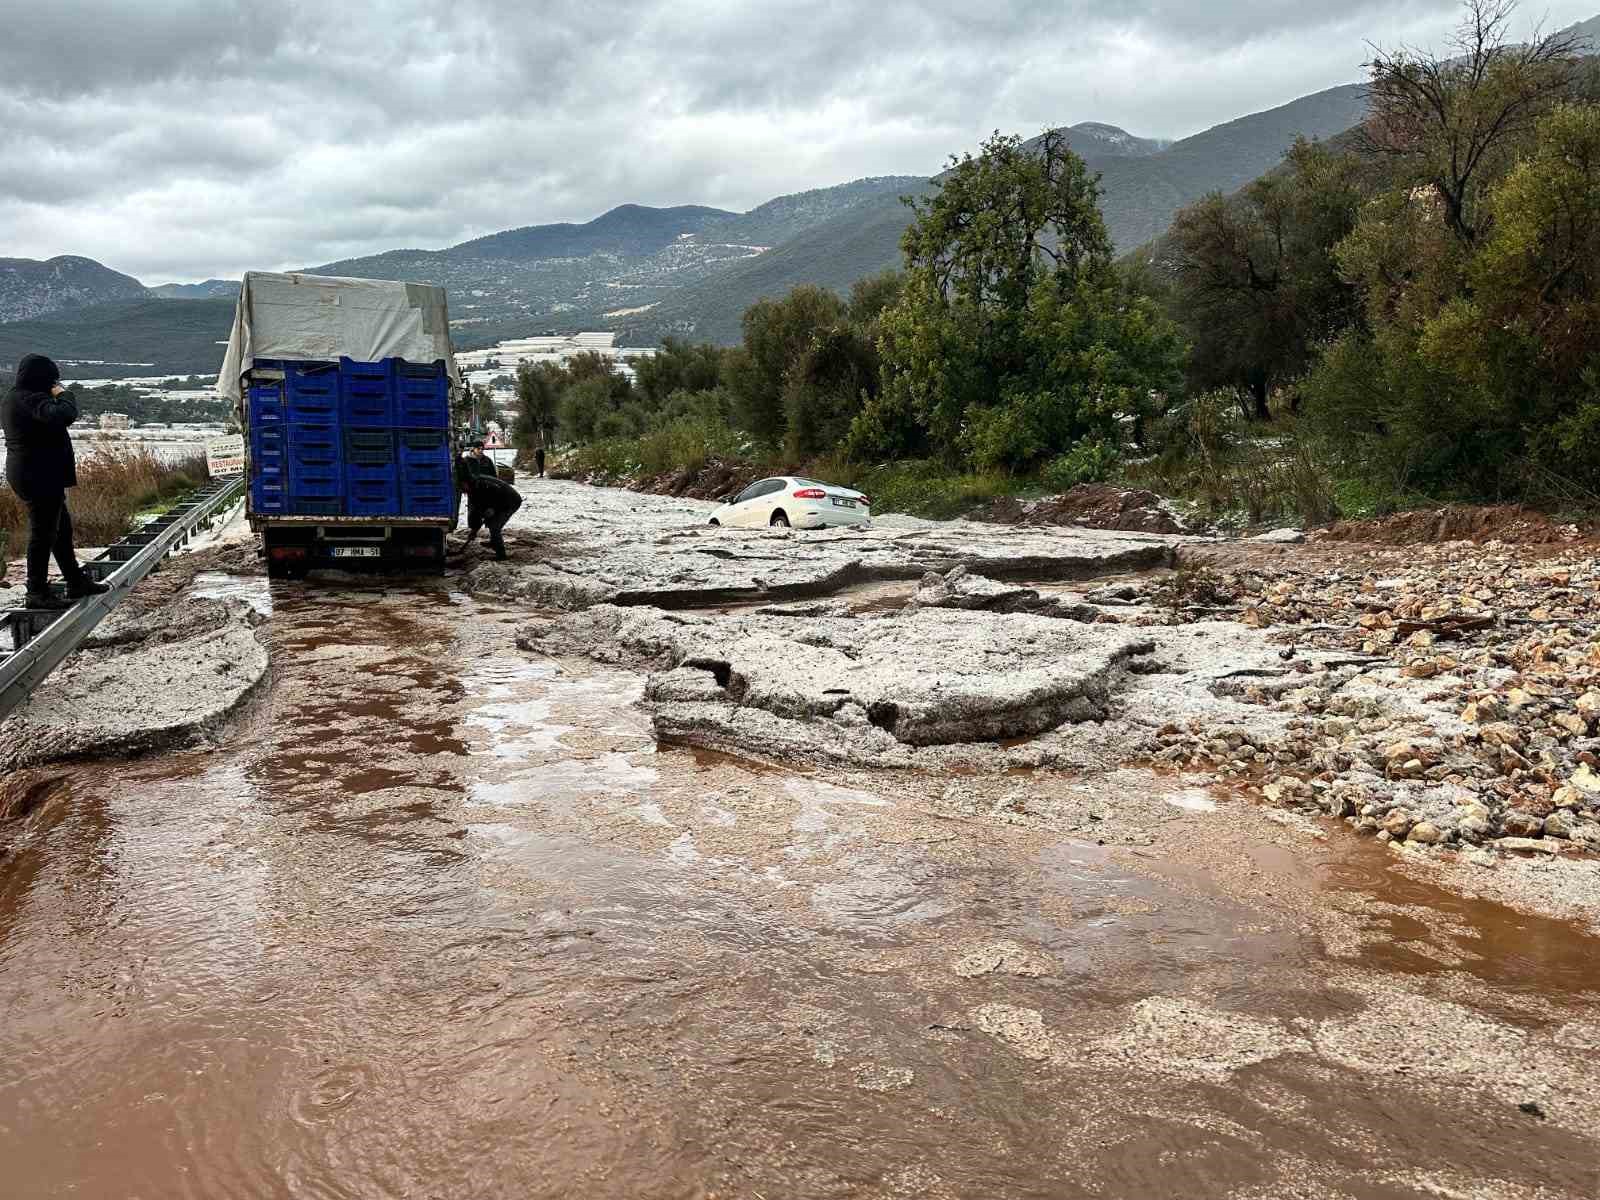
(39, 641)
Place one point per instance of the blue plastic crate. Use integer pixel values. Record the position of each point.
(269, 477)
(316, 464)
(312, 392)
(372, 497)
(371, 475)
(370, 447)
(421, 394)
(427, 500)
(265, 403)
(427, 484)
(317, 508)
(366, 394)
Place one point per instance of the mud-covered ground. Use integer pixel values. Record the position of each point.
(437, 914)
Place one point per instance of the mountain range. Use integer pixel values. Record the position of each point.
(646, 273)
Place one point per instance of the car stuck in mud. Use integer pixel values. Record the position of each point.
(792, 502)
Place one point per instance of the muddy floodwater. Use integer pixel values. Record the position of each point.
(440, 919)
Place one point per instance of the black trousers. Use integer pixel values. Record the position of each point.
(49, 532)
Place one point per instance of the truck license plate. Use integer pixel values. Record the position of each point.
(356, 552)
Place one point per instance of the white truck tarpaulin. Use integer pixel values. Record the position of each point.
(321, 317)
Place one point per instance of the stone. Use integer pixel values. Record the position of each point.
(1587, 780)
(1517, 823)
(1425, 832)
(1281, 537)
(1558, 825)
(1502, 733)
(1567, 796)
(1397, 824)
(1588, 706)
(958, 588)
(1547, 845)
(1572, 723)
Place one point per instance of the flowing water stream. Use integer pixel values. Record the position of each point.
(440, 919)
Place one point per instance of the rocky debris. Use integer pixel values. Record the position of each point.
(869, 691)
(1507, 522)
(1488, 725)
(156, 694)
(1281, 537)
(717, 479)
(1091, 506)
(958, 588)
(935, 688)
(618, 548)
(128, 626)
(1118, 594)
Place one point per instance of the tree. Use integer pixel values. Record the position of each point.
(826, 387)
(1013, 337)
(871, 294)
(677, 366)
(1256, 285)
(1478, 371)
(539, 387)
(1453, 120)
(776, 334)
(587, 410)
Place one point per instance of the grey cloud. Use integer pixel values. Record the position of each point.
(189, 138)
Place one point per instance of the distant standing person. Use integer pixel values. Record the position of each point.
(40, 468)
(538, 460)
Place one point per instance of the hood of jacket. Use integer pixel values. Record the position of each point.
(36, 373)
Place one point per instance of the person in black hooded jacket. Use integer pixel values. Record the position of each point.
(40, 468)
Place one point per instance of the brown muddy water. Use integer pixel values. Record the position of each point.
(441, 920)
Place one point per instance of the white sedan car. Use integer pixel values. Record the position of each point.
(802, 503)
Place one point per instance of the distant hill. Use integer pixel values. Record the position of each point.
(617, 265)
(1091, 139)
(113, 340)
(1589, 31)
(1144, 181)
(834, 254)
(630, 230)
(30, 288)
(211, 289)
(776, 221)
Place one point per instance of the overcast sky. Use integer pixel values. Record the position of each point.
(182, 139)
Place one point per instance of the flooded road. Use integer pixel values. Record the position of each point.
(442, 920)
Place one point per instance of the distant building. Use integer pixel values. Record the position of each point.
(484, 365)
(113, 420)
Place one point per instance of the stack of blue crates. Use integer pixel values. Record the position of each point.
(348, 438)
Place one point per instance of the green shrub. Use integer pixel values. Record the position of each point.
(685, 444)
(1090, 461)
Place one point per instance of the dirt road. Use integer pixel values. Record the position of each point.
(439, 917)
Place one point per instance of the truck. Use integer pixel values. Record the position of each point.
(344, 390)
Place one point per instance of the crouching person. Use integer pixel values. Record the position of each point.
(40, 468)
(490, 503)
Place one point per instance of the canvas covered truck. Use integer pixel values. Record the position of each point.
(344, 390)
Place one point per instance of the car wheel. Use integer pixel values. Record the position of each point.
(780, 520)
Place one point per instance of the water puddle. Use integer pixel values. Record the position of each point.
(254, 590)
